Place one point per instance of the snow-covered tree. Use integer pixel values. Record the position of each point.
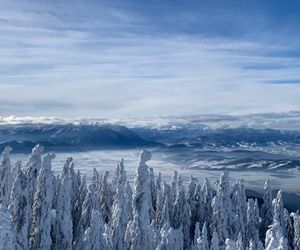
(288, 228)
(77, 228)
(94, 239)
(203, 240)
(207, 196)
(296, 241)
(196, 205)
(171, 239)
(278, 208)
(253, 221)
(223, 192)
(240, 244)
(158, 182)
(182, 213)
(219, 219)
(275, 239)
(197, 235)
(153, 190)
(105, 197)
(239, 205)
(5, 176)
(64, 225)
(266, 209)
(139, 234)
(215, 243)
(19, 210)
(230, 244)
(121, 209)
(33, 167)
(7, 234)
(41, 211)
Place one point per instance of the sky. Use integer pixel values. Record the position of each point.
(121, 58)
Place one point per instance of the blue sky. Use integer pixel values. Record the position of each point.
(149, 58)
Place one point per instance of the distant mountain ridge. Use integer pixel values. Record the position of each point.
(70, 137)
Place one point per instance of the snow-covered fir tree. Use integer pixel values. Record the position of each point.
(7, 234)
(275, 239)
(121, 208)
(5, 176)
(266, 211)
(19, 210)
(139, 234)
(64, 225)
(40, 237)
(296, 240)
(203, 243)
(182, 213)
(94, 239)
(215, 243)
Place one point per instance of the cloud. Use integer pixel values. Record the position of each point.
(114, 60)
(282, 121)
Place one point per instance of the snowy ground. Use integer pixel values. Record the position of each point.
(108, 160)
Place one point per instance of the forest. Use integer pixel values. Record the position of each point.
(43, 210)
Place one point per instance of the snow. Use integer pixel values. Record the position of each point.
(106, 212)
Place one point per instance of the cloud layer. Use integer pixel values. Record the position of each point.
(132, 59)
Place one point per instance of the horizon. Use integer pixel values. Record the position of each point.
(280, 121)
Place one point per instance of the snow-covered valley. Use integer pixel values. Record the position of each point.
(104, 160)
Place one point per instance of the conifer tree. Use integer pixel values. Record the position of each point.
(40, 237)
(19, 210)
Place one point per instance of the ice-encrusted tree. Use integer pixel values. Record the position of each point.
(41, 210)
(94, 239)
(253, 221)
(77, 210)
(196, 205)
(278, 208)
(215, 243)
(230, 244)
(296, 240)
(275, 239)
(197, 235)
(239, 205)
(171, 239)
(121, 208)
(240, 244)
(19, 210)
(219, 219)
(202, 241)
(105, 197)
(5, 176)
(266, 209)
(182, 213)
(153, 191)
(158, 183)
(223, 192)
(64, 225)
(33, 167)
(289, 229)
(7, 233)
(173, 194)
(207, 196)
(139, 234)
(90, 202)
